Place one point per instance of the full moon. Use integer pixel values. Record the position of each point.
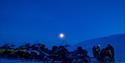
(61, 35)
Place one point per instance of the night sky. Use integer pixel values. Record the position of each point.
(42, 20)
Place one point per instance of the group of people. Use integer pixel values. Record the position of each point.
(58, 53)
(105, 54)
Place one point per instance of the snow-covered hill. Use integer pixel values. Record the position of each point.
(118, 42)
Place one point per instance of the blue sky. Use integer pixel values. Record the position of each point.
(43, 20)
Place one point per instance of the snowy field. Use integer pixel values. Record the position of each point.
(28, 61)
(17, 61)
(22, 61)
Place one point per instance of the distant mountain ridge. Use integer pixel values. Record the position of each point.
(118, 42)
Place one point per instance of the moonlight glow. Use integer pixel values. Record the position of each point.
(61, 35)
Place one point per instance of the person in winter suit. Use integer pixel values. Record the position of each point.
(96, 52)
(110, 52)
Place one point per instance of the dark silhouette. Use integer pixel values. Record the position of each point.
(96, 52)
(110, 52)
(107, 54)
(62, 54)
(54, 53)
(81, 55)
(40, 52)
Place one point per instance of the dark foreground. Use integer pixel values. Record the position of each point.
(58, 54)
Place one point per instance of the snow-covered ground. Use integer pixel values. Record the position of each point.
(22, 61)
(31, 61)
(16, 61)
